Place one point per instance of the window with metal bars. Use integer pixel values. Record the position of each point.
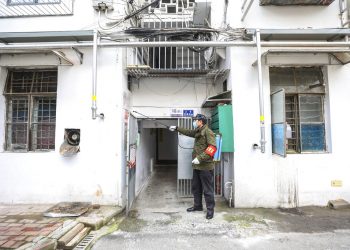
(297, 100)
(31, 109)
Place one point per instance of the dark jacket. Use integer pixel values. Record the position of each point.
(204, 136)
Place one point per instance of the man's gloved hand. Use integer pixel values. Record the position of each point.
(172, 128)
(195, 161)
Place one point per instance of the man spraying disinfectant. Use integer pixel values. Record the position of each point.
(202, 163)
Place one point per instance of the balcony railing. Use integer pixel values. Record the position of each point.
(29, 8)
(163, 58)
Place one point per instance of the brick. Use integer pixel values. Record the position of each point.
(27, 229)
(31, 233)
(27, 221)
(44, 233)
(15, 225)
(8, 244)
(2, 242)
(4, 237)
(11, 221)
(11, 232)
(19, 238)
(45, 244)
(33, 225)
(18, 244)
(30, 238)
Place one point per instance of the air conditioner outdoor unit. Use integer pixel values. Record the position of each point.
(102, 4)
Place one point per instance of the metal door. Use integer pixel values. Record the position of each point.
(131, 161)
(184, 163)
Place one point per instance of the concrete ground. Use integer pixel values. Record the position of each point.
(159, 220)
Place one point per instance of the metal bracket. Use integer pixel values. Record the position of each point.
(79, 54)
(61, 56)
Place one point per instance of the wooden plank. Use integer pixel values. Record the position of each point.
(59, 232)
(70, 235)
(75, 241)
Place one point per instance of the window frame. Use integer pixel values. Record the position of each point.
(31, 98)
(297, 94)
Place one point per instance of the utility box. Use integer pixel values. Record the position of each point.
(222, 122)
(102, 4)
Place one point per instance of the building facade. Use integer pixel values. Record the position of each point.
(85, 98)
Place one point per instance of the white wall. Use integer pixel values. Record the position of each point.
(284, 17)
(48, 176)
(146, 151)
(157, 96)
(84, 18)
(268, 180)
(167, 145)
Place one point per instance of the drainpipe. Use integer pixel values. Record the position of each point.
(261, 93)
(94, 78)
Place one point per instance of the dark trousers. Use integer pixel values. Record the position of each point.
(203, 183)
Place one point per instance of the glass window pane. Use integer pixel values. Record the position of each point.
(43, 128)
(17, 134)
(278, 123)
(312, 137)
(278, 107)
(311, 108)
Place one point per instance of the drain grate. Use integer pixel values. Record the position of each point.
(86, 242)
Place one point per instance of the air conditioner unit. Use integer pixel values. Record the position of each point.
(102, 4)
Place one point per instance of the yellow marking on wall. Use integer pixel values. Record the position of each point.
(336, 183)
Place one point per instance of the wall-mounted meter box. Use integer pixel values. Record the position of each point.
(222, 122)
(102, 4)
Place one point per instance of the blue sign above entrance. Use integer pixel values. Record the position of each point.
(188, 112)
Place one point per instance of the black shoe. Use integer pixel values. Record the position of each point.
(192, 209)
(210, 214)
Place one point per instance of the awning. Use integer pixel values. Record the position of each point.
(46, 37)
(212, 101)
(330, 56)
(300, 34)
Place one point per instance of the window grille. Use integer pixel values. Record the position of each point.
(31, 110)
(303, 103)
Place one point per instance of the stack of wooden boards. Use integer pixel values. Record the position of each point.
(70, 234)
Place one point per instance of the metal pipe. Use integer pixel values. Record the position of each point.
(246, 10)
(261, 93)
(243, 5)
(94, 76)
(69, 45)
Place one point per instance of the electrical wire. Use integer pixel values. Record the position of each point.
(160, 94)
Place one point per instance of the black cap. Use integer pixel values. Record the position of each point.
(201, 117)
